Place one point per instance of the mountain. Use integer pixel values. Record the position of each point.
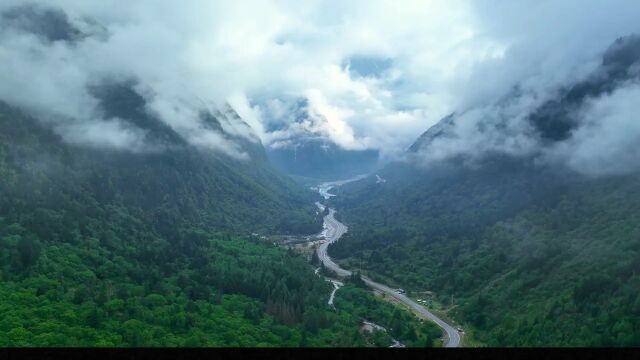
(175, 179)
(91, 239)
(111, 247)
(301, 150)
(442, 129)
(554, 120)
(321, 159)
(525, 253)
(129, 218)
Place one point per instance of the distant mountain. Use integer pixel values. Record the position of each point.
(322, 159)
(530, 253)
(302, 152)
(442, 128)
(554, 120)
(49, 23)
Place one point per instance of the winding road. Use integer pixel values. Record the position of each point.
(333, 230)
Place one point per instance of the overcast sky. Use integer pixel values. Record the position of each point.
(376, 74)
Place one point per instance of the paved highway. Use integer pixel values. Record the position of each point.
(333, 231)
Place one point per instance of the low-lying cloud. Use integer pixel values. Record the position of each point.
(361, 74)
(607, 140)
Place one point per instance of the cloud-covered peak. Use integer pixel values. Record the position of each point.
(50, 24)
(587, 124)
(373, 74)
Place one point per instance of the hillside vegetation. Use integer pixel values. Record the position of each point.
(530, 256)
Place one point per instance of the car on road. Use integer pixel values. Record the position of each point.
(400, 291)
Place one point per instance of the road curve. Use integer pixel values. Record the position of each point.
(333, 231)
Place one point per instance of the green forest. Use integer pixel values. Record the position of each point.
(529, 257)
(235, 293)
(166, 170)
(402, 325)
(99, 248)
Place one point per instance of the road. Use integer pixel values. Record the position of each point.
(333, 231)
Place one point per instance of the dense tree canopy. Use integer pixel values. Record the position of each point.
(103, 248)
(530, 256)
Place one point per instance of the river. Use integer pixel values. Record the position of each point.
(333, 231)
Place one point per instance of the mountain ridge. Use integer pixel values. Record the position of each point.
(535, 253)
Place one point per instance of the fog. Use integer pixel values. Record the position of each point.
(371, 74)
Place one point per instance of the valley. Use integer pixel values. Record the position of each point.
(333, 232)
(168, 174)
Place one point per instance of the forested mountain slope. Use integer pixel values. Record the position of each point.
(532, 253)
(528, 263)
(115, 248)
(180, 183)
(125, 219)
(106, 247)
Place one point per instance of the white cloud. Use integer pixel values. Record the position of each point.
(261, 56)
(607, 143)
(106, 134)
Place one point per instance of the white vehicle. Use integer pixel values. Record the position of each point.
(400, 291)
